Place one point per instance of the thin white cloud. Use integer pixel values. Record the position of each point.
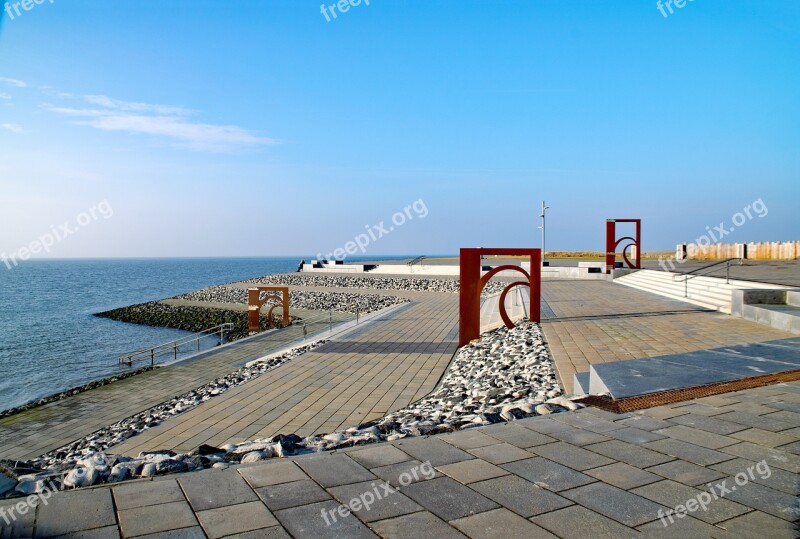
(14, 128)
(4, 95)
(13, 82)
(161, 121)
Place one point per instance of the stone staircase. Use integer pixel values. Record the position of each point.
(709, 292)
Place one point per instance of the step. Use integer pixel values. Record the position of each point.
(654, 290)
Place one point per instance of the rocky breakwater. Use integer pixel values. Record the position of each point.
(503, 376)
(423, 284)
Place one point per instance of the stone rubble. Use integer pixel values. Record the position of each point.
(505, 375)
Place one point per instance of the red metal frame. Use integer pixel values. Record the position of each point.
(472, 284)
(255, 301)
(612, 243)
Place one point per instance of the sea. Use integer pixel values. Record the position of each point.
(49, 339)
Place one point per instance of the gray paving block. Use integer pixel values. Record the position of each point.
(470, 471)
(448, 499)
(580, 437)
(775, 458)
(432, 450)
(143, 493)
(405, 473)
(572, 456)
(210, 489)
(697, 437)
(758, 524)
(623, 475)
(332, 470)
(548, 474)
(14, 523)
(578, 521)
(272, 473)
(632, 454)
(374, 500)
(520, 496)
(789, 406)
(500, 453)
(605, 414)
(233, 519)
(773, 502)
(590, 422)
(686, 451)
(381, 455)
(774, 478)
(686, 473)
(322, 520)
(709, 423)
(644, 422)
(414, 526)
(110, 532)
(544, 425)
(766, 438)
(500, 522)
(275, 532)
(195, 532)
(617, 504)
(763, 422)
(69, 512)
(467, 439)
(515, 435)
(294, 494)
(685, 526)
(156, 518)
(671, 494)
(635, 436)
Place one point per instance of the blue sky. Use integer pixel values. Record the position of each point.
(259, 128)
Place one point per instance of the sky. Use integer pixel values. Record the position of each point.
(265, 128)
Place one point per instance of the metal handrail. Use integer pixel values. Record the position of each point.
(416, 261)
(702, 271)
(172, 347)
(304, 322)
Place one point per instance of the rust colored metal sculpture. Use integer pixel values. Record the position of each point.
(472, 284)
(612, 243)
(258, 296)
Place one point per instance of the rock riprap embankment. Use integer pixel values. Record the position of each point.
(503, 376)
(375, 283)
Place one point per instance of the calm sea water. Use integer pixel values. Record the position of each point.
(49, 340)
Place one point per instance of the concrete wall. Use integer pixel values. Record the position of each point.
(776, 250)
(779, 309)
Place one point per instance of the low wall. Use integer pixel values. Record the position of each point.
(776, 250)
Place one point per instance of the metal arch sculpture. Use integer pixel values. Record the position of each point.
(612, 243)
(472, 284)
(255, 301)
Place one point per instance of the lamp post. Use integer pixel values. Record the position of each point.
(544, 208)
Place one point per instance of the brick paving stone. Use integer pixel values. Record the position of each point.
(672, 494)
(548, 474)
(294, 494)
(697, 437)
(414, 526)
(469, 471)
(775, 458)
(382, 455)
(617, 504)
(519, 436)
(771, 501)
(632, 454)
(406, 473)
(774, 478)
(332, 470)
(272, 473)
(156, 518)
(544, 425)
(70, 512)
(448, 499)
(644, 422)
(521, 496)
(372, 500)
(686, 451)
(580, 522)
(623, 475)
(580, 437)
(432, 450)
(468, 439)
(572, 456)
(687, 473)
(142, 493)
(758, 524)
(233, 519)
(635, 436)
(310, 521)
(491, 524)
(500, 453)
(210, 489)
(709, 424)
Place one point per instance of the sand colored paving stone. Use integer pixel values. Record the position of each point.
(588, 494)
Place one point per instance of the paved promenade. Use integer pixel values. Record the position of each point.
(570, 475)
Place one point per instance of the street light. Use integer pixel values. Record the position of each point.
(544, 209)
